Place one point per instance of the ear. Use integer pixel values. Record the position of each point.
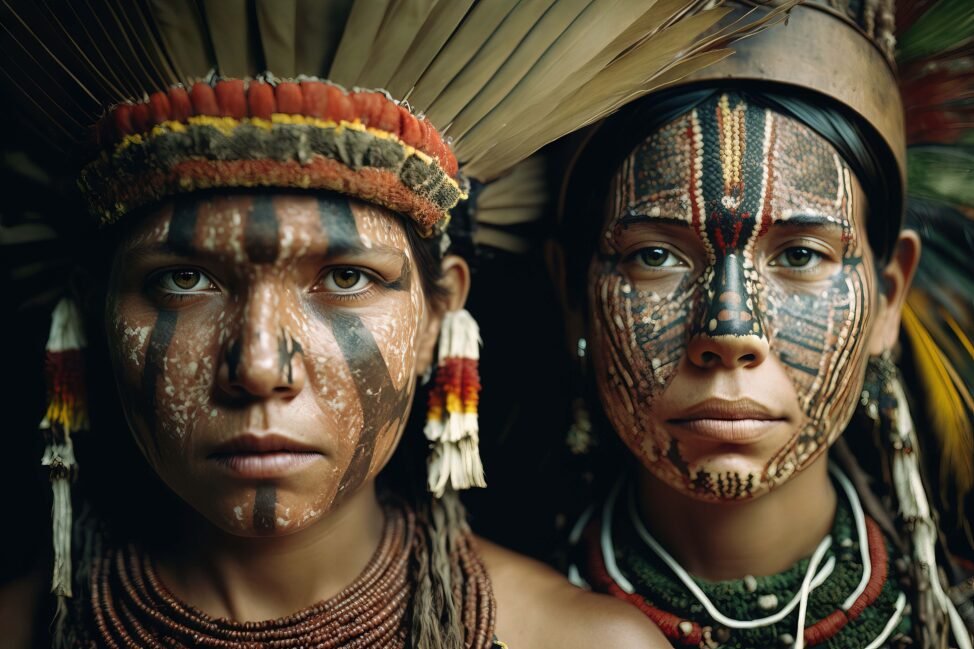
(456, 282)
(571, 308)
(896, 278)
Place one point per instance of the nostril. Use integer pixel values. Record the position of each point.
(748, 358)
(709, 358)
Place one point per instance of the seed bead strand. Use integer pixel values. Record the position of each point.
(132, 608)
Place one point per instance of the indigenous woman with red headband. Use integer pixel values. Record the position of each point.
(741, 304)
(272, 278)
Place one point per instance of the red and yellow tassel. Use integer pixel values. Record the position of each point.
(67, 413)
(451, 421)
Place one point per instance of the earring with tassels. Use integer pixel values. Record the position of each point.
(451, 422)
(67, 413)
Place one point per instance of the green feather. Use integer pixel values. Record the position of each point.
(946, 26)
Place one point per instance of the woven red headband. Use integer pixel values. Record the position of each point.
(306, 135)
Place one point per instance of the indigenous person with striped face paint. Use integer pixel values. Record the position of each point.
(741, 305)
(271, 284)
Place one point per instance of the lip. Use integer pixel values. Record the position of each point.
(264, 455)
(730, 421)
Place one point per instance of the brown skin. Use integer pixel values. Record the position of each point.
(304, 317)
(744, 276)
(537, 607)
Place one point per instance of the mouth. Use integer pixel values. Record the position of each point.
(730, 421)
(264, 455)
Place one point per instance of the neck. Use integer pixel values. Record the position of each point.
(728, 540)
(262, 578)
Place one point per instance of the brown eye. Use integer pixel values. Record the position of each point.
(347, 277)
(183, 280)
(186, 279)
(345, 280)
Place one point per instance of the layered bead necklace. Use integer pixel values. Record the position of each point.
(624, 560)
(133, 608)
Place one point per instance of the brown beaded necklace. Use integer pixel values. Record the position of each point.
(131, 607)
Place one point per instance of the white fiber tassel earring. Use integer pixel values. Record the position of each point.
(67, 413)
(451, 421)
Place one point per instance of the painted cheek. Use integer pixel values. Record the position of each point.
(184, 388)
(333, 384)
(820, 339)
(640, 337)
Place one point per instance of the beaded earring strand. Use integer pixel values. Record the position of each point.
(67, 413)
(451, 421)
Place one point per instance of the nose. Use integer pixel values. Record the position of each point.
(727, 351)
(730, 333)
(264, 360)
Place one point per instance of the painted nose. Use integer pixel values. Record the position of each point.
(265, 360)
(730, 333)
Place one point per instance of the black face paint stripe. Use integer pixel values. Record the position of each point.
(182, 225)
(233, 353)
(338, 224)
(265, 506)
(812, 371)
(287, 348)
(801, 343)
(380, 400)
(155, 357)
(378, 396)
(261, 240)
(182, 232)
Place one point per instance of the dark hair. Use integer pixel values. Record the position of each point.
(859, 144)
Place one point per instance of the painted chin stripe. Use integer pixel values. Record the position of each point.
(381, 402)
(265, 506)
(261, 240)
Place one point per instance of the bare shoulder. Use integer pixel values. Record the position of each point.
(538, 608)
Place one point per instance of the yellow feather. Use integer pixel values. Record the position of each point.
(961, 336)
(948, 403)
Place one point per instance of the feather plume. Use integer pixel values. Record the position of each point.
(944, 26)
(948, 400)
(936, 58)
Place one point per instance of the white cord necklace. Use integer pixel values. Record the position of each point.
(811, 580)
(691, 585)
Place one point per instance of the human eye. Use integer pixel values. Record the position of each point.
(344, 280)
(799, 258)
(655, 257)
(183, 281)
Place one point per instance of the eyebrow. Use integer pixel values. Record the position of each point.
(341, 248)
(807, 221)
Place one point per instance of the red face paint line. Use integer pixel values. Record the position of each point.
(731, 299)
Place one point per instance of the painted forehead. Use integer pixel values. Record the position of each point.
(263, 228)
(729, 155)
